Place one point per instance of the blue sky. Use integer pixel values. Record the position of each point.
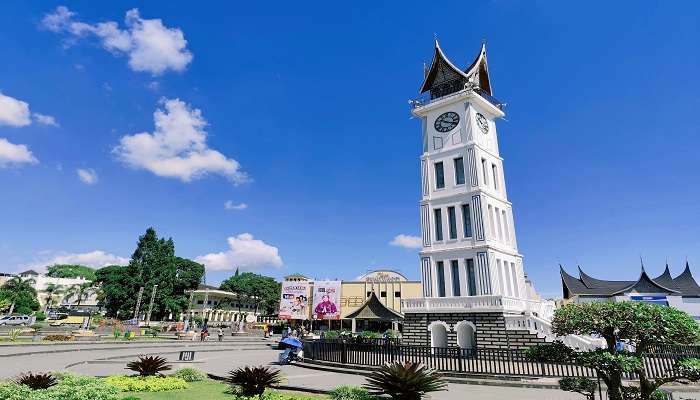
(307, 124)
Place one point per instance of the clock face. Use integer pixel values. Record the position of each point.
(446, 122)
(482, 122)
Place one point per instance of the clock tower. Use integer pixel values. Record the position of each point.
(475, 293)
(468, 232)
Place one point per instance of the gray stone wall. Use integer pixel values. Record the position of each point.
(490, 332)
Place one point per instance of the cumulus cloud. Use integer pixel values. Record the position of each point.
(230, 205)
(244, 252)
(15, 154)
(15, 112)
(45, 119)
(178, 147)
(95, 259)
(407, 241)
(149, 45)
(88, 176)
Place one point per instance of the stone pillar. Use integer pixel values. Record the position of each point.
(354, 325)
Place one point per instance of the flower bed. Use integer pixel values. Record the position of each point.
(146, 384)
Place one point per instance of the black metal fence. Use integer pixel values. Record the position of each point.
(659, 361)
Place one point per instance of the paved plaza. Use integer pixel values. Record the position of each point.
(216, 358)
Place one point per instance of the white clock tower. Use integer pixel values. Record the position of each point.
(469, 244)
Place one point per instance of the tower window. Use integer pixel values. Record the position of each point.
(438, 224)
(494, 171)
(440, 270)
(397, 294)
(439, 175)
(382, 293)
(467, 220)
(452, 219)
(484, 171)
(471, 278)
(454, 265)
(459, 171)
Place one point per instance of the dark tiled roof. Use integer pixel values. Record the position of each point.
(374, 309)
(29, 272)
(585, 285)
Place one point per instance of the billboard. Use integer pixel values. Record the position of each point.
(326, 300)
(294, 301)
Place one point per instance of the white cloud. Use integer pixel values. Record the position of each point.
(177, 148)
(229, 205)
(15, 154)
(14, 112)
(149, 45)
(45, 119)
(96, 258)
(407, 241)
(244, 252)
(87, 176)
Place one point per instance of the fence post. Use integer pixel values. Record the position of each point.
(343, 353)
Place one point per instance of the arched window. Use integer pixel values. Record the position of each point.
(466, 335)
(438, 334)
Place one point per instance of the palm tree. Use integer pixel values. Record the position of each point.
(51, 290)
(15, 287)
(79, 291)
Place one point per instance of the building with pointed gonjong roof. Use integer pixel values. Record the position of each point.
(681, 292)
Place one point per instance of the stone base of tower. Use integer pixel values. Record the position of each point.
(489, 330)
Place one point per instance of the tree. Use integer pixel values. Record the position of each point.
(152, 263)
(22, 295)
(79, 292)
(50, 291)
(71, 271)
(262, 291)
(641, 325)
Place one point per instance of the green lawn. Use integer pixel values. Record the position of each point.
(206, 390)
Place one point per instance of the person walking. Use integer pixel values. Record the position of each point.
(220, 333)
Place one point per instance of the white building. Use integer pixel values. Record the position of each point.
(475, 293)
(41, 282)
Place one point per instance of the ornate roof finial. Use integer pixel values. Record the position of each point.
(641, 261)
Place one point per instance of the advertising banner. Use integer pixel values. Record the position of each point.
(294, 301)
(326, 300)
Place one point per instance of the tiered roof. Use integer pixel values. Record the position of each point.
(443, 72)
(585, 285)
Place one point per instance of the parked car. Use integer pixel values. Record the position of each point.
(15, 320)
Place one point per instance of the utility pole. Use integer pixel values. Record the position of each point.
(150, 305)
(138, 305)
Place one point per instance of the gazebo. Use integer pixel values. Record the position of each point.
(373, 314)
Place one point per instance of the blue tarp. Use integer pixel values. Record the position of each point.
(294, 342)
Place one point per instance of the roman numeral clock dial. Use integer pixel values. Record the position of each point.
(446, 122)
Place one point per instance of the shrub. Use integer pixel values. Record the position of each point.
(551, 352)
(69, 387)
(117, 333)
(145, 383)
(149, 365)
(190, 374)
(332, 335)
(58, 338)
(370, 335)
(407, 381)
(254, 380)
(581, 385)
(36, 381)
(350, 393)
(40, 316)
(15, 391)
(391, 334)
(13, 333)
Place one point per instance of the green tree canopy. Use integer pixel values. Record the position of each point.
(152, 263)
(639, 324)
(261, 291)
(21, 295)
(71, 271)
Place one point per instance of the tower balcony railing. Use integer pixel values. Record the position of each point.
(487, 303)
(430, 97)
